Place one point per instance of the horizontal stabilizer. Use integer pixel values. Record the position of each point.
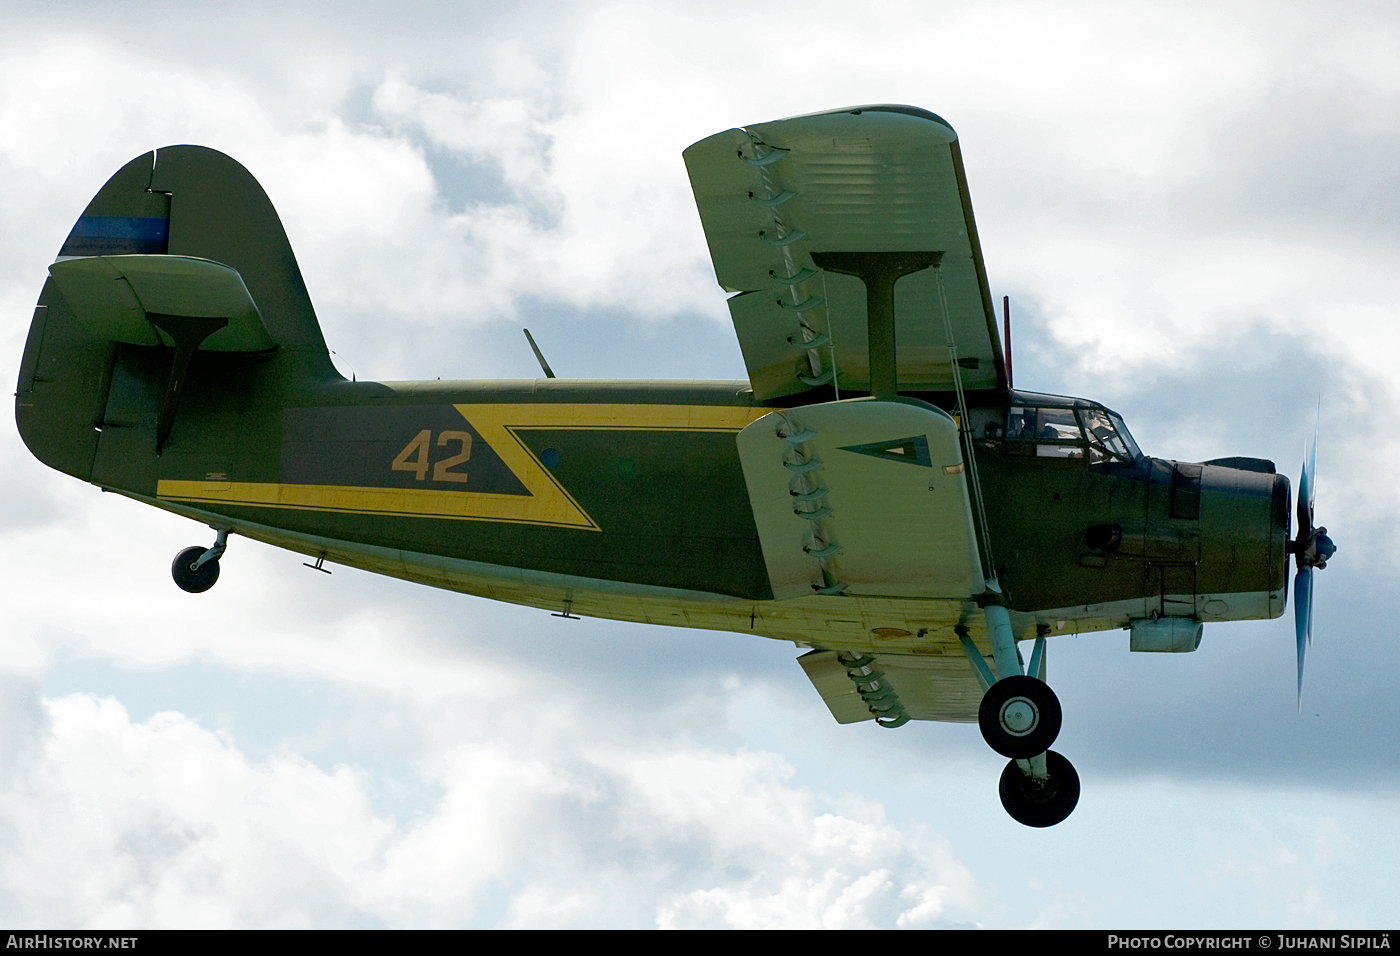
(112, 296)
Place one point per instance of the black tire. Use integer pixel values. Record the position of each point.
(1045, 717)
(195, 582)
(1040, 805)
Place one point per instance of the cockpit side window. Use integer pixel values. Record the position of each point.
(1105, 444)
(1045, 432)
(1084, 430)
(1108, 438)
(1056, 426)
(1134, 452)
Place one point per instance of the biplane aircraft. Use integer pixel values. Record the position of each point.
(876, 493)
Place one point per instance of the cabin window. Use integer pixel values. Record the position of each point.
(1045, 432)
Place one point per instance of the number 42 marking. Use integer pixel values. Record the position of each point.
(414, 456)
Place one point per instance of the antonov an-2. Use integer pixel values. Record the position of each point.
(876, 492)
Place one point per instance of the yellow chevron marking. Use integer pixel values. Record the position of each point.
(611, 417)
(552, 508)
(547, 504)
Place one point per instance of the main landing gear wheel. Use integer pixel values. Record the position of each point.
(1037, 803)
(1020, 717)
(190, 578)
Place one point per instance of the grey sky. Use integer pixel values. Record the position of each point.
(1193, 208)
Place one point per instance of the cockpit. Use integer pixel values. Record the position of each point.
(1053, 426)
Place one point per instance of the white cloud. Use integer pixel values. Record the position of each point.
(162, 823)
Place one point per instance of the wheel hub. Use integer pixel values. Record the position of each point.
(1019, 716)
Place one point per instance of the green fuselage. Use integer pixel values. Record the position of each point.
(634, 484)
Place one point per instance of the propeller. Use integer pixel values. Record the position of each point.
(1311, 549)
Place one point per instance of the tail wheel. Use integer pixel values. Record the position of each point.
(192, 579)
(1019, 717)
(1040, 803)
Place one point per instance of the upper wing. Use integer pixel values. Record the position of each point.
(873, 179)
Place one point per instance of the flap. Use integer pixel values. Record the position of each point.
(862, 497)
(874, 179)
(926, 687)
(111, 296)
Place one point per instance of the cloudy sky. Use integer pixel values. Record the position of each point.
(1194, 210)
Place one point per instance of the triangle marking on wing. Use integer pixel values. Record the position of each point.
(911, 451)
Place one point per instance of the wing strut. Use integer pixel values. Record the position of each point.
(187, 332)
(965, 430)
(879, 271)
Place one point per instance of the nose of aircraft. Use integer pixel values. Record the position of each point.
(1244, 527)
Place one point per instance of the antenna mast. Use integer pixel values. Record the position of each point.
(1006, 320)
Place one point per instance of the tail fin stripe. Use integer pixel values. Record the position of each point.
(117, 235)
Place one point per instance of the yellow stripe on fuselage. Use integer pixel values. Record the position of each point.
(547, 503)
(617, 416)
(554, 509)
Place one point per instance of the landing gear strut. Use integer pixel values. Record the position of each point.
(196, 569)
(1020, 718)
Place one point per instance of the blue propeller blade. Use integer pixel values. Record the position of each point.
(1307, 489)
(1310, 471)
(1302, 619)
(1312, 549)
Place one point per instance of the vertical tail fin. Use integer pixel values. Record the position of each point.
(81, 374)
